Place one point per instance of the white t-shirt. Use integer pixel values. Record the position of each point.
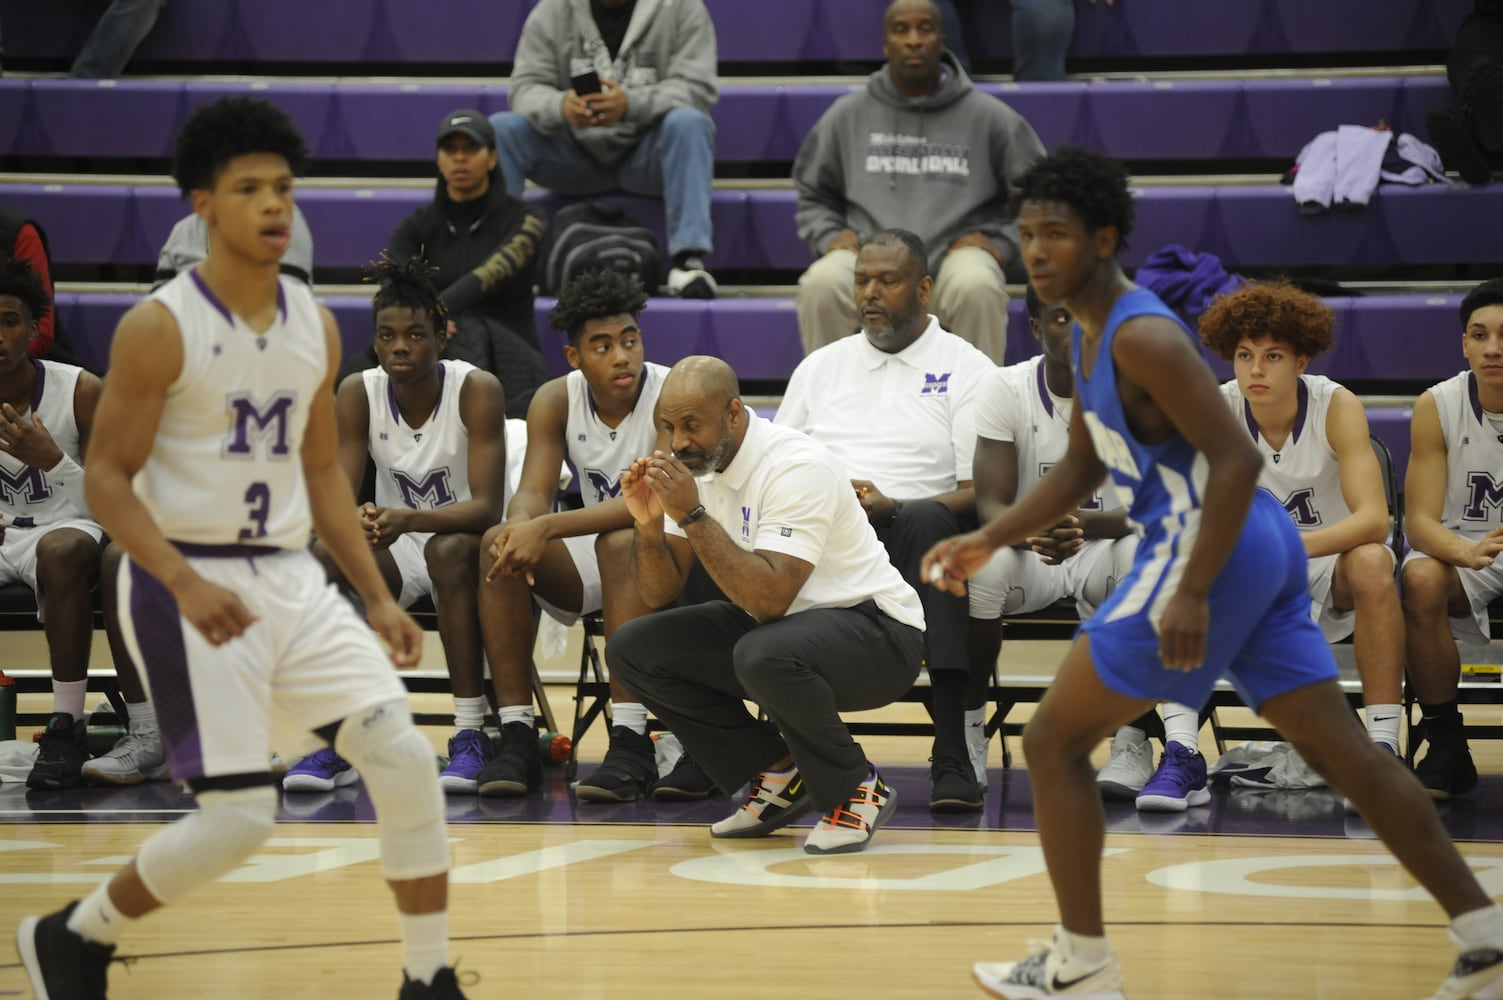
(1304, 475)
(786, 493)
(903, 421)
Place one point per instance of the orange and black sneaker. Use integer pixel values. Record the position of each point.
(849, 827)
(777, 798)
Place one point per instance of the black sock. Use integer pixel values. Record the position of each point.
(1441, 711)
(947, 688)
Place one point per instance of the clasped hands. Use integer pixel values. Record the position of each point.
(656, 485)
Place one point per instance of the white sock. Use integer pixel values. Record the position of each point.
(97, 918)
(143, 717)
(1090, 950)
(632, 715)
(469, 713)
(1480, 928)
(975, 716)
(425, 943)
(517, 713)
(68, 696)
(1182, 726)
(1133, 734)
(1383, 724)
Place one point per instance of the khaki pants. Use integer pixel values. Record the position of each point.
(970, 299)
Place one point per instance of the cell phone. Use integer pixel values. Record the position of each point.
(586, 83)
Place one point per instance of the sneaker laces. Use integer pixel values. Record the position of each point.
(756, 802)
(1032, 969)
(1177, 764)
(846, 815)
(467, 745)
(325, 760)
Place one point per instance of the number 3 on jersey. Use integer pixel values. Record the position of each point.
(258, 499)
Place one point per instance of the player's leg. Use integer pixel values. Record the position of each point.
(1432, 596)
(138, 755)
(629, 769)
(390, 571)
(452, 573)
(65, 567)
(508, 631)
(1362, 581)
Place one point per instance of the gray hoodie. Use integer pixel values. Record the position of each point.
(939, 166)
(667, 60)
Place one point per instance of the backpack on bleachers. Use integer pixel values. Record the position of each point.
(593, 235)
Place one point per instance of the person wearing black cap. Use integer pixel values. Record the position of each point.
(484, 244)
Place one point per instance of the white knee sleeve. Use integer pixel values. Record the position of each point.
(398, 768)
(226, 829)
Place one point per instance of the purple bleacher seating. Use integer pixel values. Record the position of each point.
(1168, 119)
(1376, 336)
(437, 31)
(1244, 225)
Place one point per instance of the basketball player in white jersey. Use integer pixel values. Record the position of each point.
(48, 542)
(1453, 518)
(1022, 428)
(212, 461)
(599, 416)
(1318, 463)
(434, 432)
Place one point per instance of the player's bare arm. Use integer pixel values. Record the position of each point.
(146, 357)
(1425, 496)
(330, 499)
(1361, 482)
(352, 414)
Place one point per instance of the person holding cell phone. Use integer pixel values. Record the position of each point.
(615, 96)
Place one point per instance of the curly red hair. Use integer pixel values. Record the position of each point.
(1268, 309)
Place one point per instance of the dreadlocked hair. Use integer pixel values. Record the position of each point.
(407, 283)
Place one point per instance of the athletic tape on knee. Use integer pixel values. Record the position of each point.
(397, 766)
(226, 829)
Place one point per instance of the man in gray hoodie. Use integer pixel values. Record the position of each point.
(614, 95)
(919, 149)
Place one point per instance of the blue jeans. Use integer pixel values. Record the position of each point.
(675, 160)
(114, 39)
(1041, 32)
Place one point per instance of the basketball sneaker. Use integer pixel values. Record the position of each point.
(1447, 768)
(469, 752)
(687, 782)
(1180, 781)
(1477, 975)
(62, 965)
(952, 785)
(1050, 970)
(777, 798)
(445, 986)
(320, 771)
(136, 757)
(517, 768)
(61, 753)
(849, 827)
(1127, 770)
(629, 769)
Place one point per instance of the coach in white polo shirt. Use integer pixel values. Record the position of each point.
(817, 621)
(894, 404)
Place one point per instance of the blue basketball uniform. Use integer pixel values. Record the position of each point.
(1260, 634)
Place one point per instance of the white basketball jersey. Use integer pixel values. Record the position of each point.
(226, 466)
(1474, 459)
(1015, 404)
(602, 453)
(28, 496)
(1303, 475)
(423, 467)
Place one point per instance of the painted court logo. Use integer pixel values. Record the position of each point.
(935, 385)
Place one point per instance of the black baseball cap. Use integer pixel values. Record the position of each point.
(470, 122)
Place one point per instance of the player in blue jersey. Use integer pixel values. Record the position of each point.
(1218, 588)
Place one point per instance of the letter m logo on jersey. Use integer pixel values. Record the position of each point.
(604, 486)
(428, 493)
(935, 385)
(26, 486)
(1301, 507)
(1483, 498)
(252, 423)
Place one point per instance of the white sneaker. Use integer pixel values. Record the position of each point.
(692, 283)
(1477, 975)
(1127, 770)
(849, 827)
(135, 757)
(777, 798)
(1049, 972)
(979, 746)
